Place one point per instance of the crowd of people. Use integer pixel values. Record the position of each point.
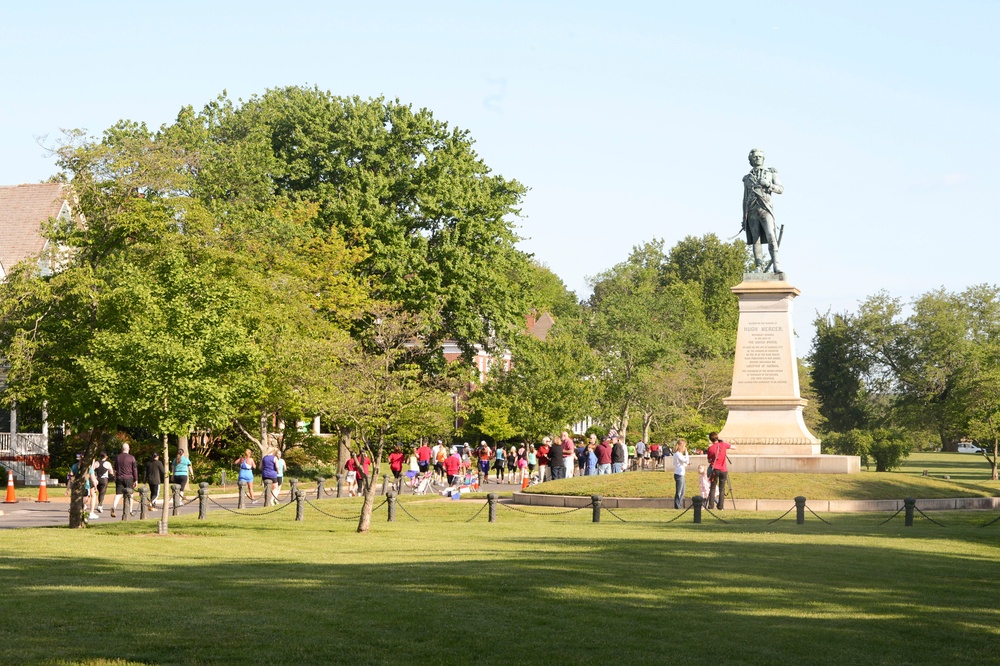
(523, 464)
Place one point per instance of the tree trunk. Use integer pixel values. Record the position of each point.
(77, 501)
(993, 463)
(623, 424)
(365, 523)
(263, 434)
(344, 451)
(165, 493)
(647, 423)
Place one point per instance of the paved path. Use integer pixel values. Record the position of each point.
(28, 513)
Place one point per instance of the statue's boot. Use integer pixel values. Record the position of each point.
(758, 259)
(774, 256)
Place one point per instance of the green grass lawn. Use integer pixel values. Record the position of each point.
(970, 477)
(541, 587)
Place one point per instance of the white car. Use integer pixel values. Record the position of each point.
(967, 447)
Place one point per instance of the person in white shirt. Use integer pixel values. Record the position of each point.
(681, 461)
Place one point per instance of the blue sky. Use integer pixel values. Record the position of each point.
(627, 120)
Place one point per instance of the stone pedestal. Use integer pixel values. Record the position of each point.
(765, 408)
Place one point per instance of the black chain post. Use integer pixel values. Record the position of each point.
(293, 487)
(595, 500)
(696, 502)
(909, 503)
(142, 502)
(176, 489)
(268, 491)
(391, 499)
(127, 503)
(319, 487)
(385, 483)
(300, 508)
(340, 486)
(241, 485)
(491, 499)
(202, 500)
(800, 510)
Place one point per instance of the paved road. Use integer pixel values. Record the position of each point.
(28, 513)
(56, 513)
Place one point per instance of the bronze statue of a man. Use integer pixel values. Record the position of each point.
(758, 213)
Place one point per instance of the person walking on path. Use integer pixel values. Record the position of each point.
(269, 472)
(247, 465)
(423, 458)
(681, 461)
(279, 462)
(154, 477)
(483, 455)
(126, 474)
(640, 455)
(103, 472)
(498, 462)
(718, 458)
(182, 470)
(396, 466)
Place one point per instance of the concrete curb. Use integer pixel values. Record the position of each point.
(819, 506)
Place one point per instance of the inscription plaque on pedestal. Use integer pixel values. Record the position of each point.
(765, 408)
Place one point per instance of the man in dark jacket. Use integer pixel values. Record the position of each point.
(126, 474)
(617, 455)
(154, 477)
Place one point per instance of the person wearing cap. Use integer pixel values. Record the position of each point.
(483, 454)
(451, 465)
(543, 459)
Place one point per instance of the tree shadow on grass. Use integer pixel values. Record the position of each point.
(646, 595)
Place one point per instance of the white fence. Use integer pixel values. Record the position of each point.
(22, 443)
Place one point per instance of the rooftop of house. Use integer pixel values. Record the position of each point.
(23, 209)
(540, 327)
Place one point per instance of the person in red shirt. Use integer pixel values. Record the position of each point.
(569, 455)
(603, 451)
(543, 459)
(423, 457)
(396, 464)
(718, 458)
(451, 465)
(483, 454)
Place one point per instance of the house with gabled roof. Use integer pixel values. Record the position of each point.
(24, 210)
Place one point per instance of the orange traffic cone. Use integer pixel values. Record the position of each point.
(11, 495)
(525, 482)
(43, 491)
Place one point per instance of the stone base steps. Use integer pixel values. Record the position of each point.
(819, 506)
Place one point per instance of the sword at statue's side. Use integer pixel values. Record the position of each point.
(781, 233)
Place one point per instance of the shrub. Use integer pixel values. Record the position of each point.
(887, 448)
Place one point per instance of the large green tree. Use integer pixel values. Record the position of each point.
(926, 369)
(434, 227)
(655, 314)
(550, 384)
